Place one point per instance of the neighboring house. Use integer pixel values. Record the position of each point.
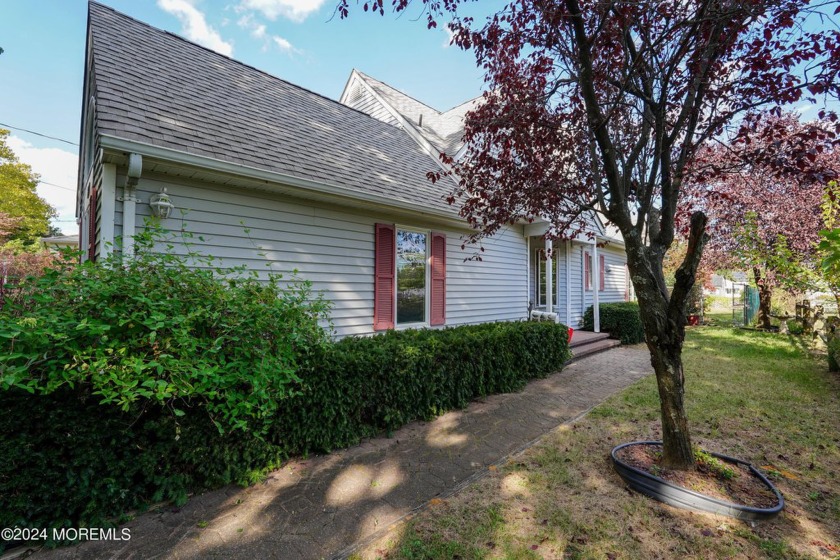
(275, 177)
(732, 286)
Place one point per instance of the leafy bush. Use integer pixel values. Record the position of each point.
(795, 327)
(16, 266)
(71, 462)
(621, 320)
(362, 386)
(126, 384)
(157, 330)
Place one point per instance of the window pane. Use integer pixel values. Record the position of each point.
(541, 279)
(411, 277)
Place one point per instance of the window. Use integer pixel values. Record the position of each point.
(587, 270)
(411, 277)
(540, 270)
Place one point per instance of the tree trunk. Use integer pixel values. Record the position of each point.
(664, 319)
(664, 341)
(765, 294)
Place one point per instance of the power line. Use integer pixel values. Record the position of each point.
(58, 186)
(38, 134)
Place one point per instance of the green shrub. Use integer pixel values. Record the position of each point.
(158, 330)
(621, 320)
(71, 462)
(362, 386)
(795, 327)
(122, 386)
(834, 353)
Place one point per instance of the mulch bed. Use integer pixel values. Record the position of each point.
(744, 488)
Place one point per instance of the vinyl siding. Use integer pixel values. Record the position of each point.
(363, 100)
(333, 248)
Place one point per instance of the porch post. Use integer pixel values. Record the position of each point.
(568, 282)
(596, 285)
(549, 258)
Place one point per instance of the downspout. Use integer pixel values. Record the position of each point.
(135, 169)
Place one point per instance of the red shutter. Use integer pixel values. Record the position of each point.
(587, 263)
(601, 273)
(438, 288)
(384, 274)
(92, 226)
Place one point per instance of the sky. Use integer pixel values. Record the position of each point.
(301, 41)
(42, 66)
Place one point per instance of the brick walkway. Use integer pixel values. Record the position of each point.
(323, 506)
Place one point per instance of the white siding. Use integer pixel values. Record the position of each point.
(614, 278)
(334, 249)
(363, 100)
(493, 289)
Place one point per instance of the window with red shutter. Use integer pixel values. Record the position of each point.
(384, 276)
(601, 267)
(438, 287)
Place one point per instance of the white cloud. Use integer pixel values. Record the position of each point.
(449, 36)
(58, 167)
(258, 31)
(283, 44)
(254, 28)
(295, 10)
(194, 25)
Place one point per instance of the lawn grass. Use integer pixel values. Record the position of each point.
(753, 395)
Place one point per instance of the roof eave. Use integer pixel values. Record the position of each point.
(254, 173)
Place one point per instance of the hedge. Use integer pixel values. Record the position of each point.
(71, 461)
(621, 320)
(362, 386)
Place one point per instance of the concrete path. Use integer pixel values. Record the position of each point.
(323, 506)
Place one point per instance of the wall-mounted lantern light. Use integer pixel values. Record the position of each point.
(161, 204)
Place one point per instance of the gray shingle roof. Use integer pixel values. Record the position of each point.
(443, 129)
(155, 87)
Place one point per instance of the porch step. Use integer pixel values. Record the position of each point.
(582, 338)
(589, 347)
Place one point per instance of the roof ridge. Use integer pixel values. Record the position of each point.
(462, 104)
(239, 62)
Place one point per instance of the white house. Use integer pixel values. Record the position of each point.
(273, 176)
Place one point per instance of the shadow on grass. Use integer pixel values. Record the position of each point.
(561, 499)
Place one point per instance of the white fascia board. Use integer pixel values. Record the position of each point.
(539, 226)
(217, 165)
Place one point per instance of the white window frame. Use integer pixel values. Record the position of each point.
(538, 261)
(427, 297)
